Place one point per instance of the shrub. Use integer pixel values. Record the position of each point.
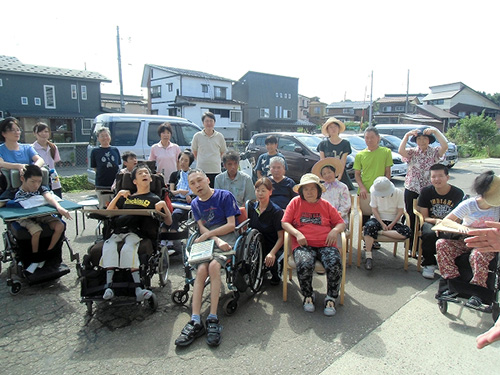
(75, 183)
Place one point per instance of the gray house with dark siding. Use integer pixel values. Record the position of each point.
(66, 99)
(271, 103)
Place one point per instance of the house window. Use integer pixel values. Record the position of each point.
(220, 92)
(387, 108)
(38, 101)
(317, 110)
(204, 88)
(84, 92)
(277, 95)
(50, 96)
(235, 116)
(348, 111)
(264, 113)
(24, 100)
(74, 93)
(86, 126)
(1, 82)
(399, 108)
(154, 112)
(287, 113)
(462, 114)
(281, 95)
(170, 87)
(156, 92)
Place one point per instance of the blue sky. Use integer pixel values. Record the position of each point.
(331, 46)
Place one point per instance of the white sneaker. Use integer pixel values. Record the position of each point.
(428, 272)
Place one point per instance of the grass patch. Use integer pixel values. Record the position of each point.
(75, 183)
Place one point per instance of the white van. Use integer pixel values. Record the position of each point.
(137, 133)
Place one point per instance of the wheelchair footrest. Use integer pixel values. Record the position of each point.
(46, 273)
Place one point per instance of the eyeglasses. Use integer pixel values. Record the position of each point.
(15, 130)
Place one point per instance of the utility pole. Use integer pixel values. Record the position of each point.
(407, 90)
(371, 102)
(122, 103)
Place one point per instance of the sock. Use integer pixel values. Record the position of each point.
(137, 280)
(368, 255)
(212, 316)
(196, 318)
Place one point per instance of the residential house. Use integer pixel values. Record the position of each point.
(392, 107)
(347, 110)
(132, 103)
(189, 93)
(317, 111)
(459, 99)
(270, 103)
(446, 119)
(66, 99)
(303, 108)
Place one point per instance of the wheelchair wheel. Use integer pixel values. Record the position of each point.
(230, 306)
(180, 297)
(495, 311)
(15, 288)
(254, 259)
(163, 266)
(443, 306)
(152, 302)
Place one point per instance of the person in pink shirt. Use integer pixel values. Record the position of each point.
(165, 153)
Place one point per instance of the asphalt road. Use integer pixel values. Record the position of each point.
(45, 330)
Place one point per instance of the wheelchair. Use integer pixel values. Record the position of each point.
(153, 258)
(17, 241)
(465, 290)
(244, 268)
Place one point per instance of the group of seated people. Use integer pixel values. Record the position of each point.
(314, 212)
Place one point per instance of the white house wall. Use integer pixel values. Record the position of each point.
(467, 96)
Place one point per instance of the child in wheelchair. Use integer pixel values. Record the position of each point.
(215, 212)
(131, 229)
(32, 189)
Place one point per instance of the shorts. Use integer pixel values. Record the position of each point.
(32, 225)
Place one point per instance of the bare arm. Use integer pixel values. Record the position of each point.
(220, 231)
(402, 146)
(50, 200)
(486, 239)
(321, 155)
(38, 161)
(301, 239)
(121, 193)
(441, 139)
(362, 189)
(340, 172)
(388, 172)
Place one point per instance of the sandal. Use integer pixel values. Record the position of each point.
(329, 309)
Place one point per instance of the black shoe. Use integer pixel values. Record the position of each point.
(376, 246)
(369, 264)
(275, 280)
(190, 332)
(474, 302)
(213, 332)
(447, 295)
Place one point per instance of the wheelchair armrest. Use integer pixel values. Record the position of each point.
(242, 225)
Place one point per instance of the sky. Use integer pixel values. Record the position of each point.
(331, 46)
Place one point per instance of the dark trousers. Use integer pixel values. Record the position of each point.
(429, 239)
(409, 197)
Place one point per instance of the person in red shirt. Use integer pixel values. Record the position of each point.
(314, 225)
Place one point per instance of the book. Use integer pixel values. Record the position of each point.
(459, 229)
(201, 252)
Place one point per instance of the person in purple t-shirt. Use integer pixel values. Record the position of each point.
(215, 213)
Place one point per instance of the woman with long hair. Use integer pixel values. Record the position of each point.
(49, 152)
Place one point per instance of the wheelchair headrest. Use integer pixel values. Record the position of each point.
(124, 182)
(14, 179)
(150, 163)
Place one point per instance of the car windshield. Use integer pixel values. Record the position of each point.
(311, 141)
(357, 143)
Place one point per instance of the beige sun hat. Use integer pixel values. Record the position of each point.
(382, 187)
(334, 162)
(308, 178)
(332, 120)
(492, 196)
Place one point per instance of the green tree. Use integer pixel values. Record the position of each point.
(474, 135)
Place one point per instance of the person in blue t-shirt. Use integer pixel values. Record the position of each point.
(14, 155)
(215, 212)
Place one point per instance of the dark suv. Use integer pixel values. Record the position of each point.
(299, 150)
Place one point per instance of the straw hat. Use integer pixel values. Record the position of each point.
(308, 178)
(420, 133)
(334, 162)
(332, 120)
(382, 187)
(492, 196)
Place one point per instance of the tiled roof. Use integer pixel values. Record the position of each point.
(12, 64)
(189, 73)
(436, 111)
(397, 99)
(441, 95)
